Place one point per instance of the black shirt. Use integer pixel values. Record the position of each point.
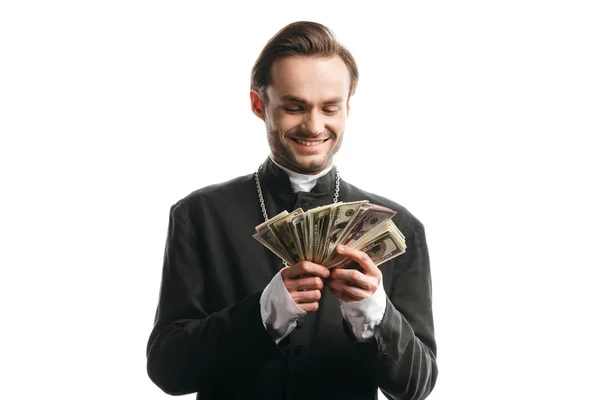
(209, 337)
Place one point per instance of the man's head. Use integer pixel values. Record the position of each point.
(301, 86)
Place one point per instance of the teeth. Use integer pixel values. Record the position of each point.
(311, 143)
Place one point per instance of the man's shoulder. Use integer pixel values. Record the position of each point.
(404, 219)
(218, 194)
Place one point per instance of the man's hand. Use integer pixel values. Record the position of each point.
(351, 285)
(304, 282)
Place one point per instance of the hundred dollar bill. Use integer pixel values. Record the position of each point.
(333, 255)
(298, 227)
(373, 216)
(324, 232)
(318, 222)
(312, 232)
(342, 214)
(269, 239)
(388, 226)
(386, 244)
(271, 220)
(313, 235)
(285, 235)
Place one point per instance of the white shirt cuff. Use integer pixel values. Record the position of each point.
(365, 315)
(278, 310)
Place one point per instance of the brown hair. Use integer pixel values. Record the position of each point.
(302, 38)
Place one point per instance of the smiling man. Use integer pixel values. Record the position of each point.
(233, 322)
(305, 109)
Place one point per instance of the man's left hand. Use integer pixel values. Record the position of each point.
(351, 285)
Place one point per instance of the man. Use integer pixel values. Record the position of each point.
(232, 321)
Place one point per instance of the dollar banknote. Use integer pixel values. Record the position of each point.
(313, 235)
(318, 222)
(342, 214)
(369, 218)
(265, 235)
(382, 245)
(298, 228)
(281, 229)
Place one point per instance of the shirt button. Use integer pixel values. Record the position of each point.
(298, 350)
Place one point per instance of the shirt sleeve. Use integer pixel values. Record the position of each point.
(278, 309)
(190, 348)
(364, 316)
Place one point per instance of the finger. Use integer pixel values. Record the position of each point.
(304, 268)
(308, 296)
(346, 292)
(342, 296)
(355, 278)
(360, 257)
(345, 288)
(309, 283)
(308, 307)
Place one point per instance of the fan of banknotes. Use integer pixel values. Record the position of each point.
(313, 235)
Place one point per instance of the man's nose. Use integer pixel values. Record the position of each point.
(314, 122)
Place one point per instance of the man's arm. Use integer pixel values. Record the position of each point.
(404, 360)
(406, 364)
(188, 348)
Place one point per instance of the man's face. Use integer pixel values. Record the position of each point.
(306, 111)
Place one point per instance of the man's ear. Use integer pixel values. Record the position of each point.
(348, 107)
(257, 105)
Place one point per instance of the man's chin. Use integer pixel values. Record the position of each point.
(310, 167)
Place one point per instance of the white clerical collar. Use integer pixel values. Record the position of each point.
(302, 182)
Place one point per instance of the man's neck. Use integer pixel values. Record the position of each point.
(301, 182)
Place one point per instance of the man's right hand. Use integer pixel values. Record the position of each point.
(304, 282)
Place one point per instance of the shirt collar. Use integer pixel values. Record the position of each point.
(302, 182)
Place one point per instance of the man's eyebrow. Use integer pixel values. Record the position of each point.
(292, 98)
(295, 99)
(333, 101)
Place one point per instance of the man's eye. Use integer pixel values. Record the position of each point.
(331, 110)
(292, 109)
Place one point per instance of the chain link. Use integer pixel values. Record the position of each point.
(260, 196)
(336, 193)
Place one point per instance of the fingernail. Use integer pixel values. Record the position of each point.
(341, 248)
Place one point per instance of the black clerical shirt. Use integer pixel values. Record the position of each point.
(209, 337)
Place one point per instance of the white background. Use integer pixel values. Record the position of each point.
(480, 117)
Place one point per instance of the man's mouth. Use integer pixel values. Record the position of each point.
(309, 142)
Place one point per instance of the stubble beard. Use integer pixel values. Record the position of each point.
(286, 157)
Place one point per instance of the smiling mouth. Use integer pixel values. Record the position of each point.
(309, 142)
